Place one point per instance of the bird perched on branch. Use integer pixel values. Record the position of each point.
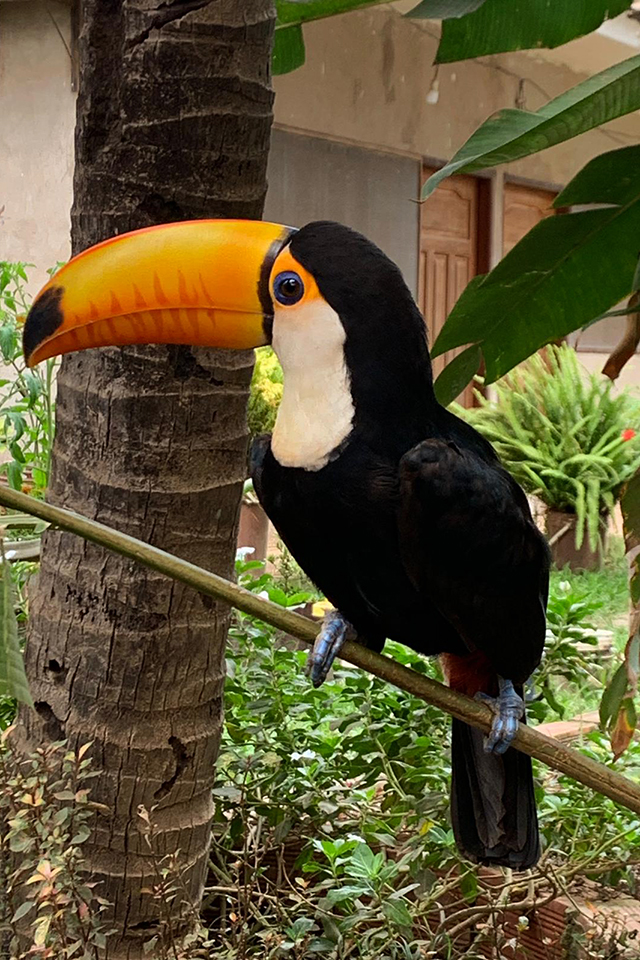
(399, 511)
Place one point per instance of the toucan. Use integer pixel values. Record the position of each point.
(399, 511)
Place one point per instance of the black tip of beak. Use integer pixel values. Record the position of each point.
(43, 320)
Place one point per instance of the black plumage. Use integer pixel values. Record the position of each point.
(415, 532)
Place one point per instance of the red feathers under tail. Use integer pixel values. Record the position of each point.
(493, 809)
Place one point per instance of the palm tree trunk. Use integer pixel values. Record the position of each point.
(173, 122)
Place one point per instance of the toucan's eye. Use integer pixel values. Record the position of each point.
(288, 288)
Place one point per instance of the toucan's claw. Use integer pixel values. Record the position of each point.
(327, 646)
(508, 708)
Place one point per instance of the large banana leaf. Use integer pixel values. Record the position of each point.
(565, 271)
(512, 134)
(500, 25)
(444, 9)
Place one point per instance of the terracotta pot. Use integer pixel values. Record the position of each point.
(561, 532)
(254, 530)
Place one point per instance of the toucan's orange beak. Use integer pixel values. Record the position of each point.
(202, 283)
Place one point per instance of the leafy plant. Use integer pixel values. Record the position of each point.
(331, 836)
(470, 28)
(564, 436)
(55, 909)
(571, 653)
(27, 396)
(266, 392)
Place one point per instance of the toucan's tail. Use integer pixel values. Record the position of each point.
(493, 807)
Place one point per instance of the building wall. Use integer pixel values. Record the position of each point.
(367, 75)
(37, 111)
(352, 126)
(315, 179)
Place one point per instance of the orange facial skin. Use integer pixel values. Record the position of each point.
(286, 261)
(195, 282)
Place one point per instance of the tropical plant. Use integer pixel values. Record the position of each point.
(564, 435)
(26, 396)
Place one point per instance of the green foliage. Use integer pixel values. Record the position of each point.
(567, 270)
(444, 9)
(13, 678)
(561, 433)
(48, 817)
(288, 50)
(512, 134)
(571, 654)
(331, 835)
(607, 589)
(26, 396)
(501, 25)
(471, 28)
(266, 392)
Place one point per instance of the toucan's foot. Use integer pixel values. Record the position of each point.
(327, 646)
(508, 708)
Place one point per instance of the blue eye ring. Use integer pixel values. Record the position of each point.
(288, 288)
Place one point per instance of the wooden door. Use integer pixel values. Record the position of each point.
(448, 256)
(524, 207)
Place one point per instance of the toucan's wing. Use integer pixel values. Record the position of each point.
(470, 545)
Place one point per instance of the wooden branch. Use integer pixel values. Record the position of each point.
(555, 754)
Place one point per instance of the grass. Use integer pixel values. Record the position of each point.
(608, 587)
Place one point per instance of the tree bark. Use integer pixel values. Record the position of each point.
(173, 123)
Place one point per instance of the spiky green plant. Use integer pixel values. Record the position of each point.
(564, 435)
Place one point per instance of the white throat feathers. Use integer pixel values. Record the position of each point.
(316, 411)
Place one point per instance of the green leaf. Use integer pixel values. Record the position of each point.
(288, 50)
(300, 928)
(613, 696)
(80, 837)
(397, 912)
(511, 134)
(611, 178)
(23, 910)
(16, 452)
(457, 374)
(364, 863)
(13, 678)
(302, 11)
(632, 661)
(562, 272)
(501, 25)
(443, 9)
(14, 475)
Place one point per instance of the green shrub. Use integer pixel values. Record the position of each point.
(564, 436)
(266, 392)
(332, 835)
(26, 396)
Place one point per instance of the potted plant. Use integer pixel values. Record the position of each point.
(568, 439)
(264, 400)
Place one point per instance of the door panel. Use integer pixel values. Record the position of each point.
(448, 256)
(524, 207)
